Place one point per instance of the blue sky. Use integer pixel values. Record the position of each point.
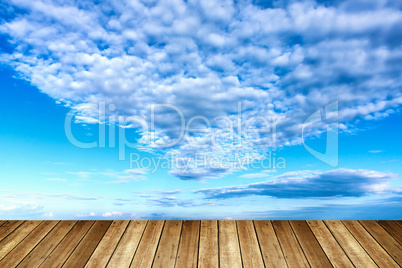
(243, 62)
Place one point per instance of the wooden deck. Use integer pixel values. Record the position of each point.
(200, 243)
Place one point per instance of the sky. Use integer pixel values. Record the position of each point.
(175, 109)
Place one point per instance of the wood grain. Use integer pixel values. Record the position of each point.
(61, 253)
(29, 243)
(200, 244)
(13, 239)
(311, 248)
(229, 247)
(291, 249)
(376, 252)
(393, 229)
(47, 245)
(352, 248)
(8, 227)
(187, 255)
(209, 249)
(385, 239)
(106, 247)
(250, 249)
(88, 244)
(124, 253)
(269, 244)
(145, 253)
(334, 252)
(168, 245)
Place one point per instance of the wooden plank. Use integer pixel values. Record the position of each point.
(311, 248)
(209, 249)
(128, 244)
(47, 245)
(384, 239)
(376, 252)
(250, 249)
(352, 248)
(106, 247)
(399, 223)
(393, 229)
(88, 244)
(26, 245)
(269, 244)
(8, 227)
(168, 245)
(187, 255)
(2, 222)
(290, 246)
(13, 239)
(145, 253)
(334, 252)
(58, 257)
(229, 247)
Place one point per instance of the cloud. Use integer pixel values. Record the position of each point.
(312, 184)
(376, 151)
(48, 215)
(112, 214)
(126, 175)
(262, 174)
(383, 208)
(56, 179)
(118, 176)
(82, 174)
(278, 59)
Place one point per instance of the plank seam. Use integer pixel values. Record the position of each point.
(21, 240)
(238, 242)
(339, 244)
(79, 242)
(178, 245)
(98, 243)
(199, 242)
(116, 244)
(259, 245)
(38, 242)
(318, 242)
(58, 244)
(388, 232)
(139, 242)
(219, 250)
(13, 230)
(157, 247)
(378, 242)
(298, 242)
(279, 242)
(359, 242)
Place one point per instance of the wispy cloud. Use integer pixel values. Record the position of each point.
(262, 174)
(376, 151)
(82, 174)
(56, 179)
(126, 175)
(312, 184)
